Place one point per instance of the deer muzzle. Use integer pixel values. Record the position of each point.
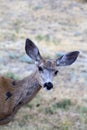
(48, 85)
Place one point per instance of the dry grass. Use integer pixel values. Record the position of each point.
(55, 26)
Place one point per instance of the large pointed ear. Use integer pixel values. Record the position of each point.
(32, 50)
(67, 59)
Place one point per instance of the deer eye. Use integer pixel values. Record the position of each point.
(40, 68)
(56, 72)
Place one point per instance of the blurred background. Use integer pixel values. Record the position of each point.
(56, 27)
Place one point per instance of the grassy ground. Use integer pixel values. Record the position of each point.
(56, 27)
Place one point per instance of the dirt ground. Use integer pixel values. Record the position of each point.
(57, 27)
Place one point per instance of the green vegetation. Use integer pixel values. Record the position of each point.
(64, 104)
(12, 76)
(47, 38)
(39, 37)
(83, 109)
(66, 125)
(50, 110)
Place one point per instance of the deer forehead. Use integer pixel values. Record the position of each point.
(48, 64)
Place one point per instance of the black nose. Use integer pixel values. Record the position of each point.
(48, 85)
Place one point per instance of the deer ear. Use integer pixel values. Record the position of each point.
(32, 50)
(67, 59)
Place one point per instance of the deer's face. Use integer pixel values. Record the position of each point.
(47, 69)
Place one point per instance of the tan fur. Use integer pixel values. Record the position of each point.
(9, 107)
(14, 94)
(5, 106)
(22, 92)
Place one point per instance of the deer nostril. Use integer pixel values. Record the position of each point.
(48, 85)
(45, 85)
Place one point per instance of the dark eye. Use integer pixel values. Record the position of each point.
(56, 72)
(40, 68)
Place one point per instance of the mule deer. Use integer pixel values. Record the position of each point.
(14, 94)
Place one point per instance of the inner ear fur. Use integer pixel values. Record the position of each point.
(67, 59)
(32, 50)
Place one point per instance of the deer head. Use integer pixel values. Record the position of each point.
(47, 68)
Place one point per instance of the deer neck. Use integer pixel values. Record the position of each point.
(27, 89)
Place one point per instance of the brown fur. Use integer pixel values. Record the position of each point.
(14, 94)
(23, 91)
